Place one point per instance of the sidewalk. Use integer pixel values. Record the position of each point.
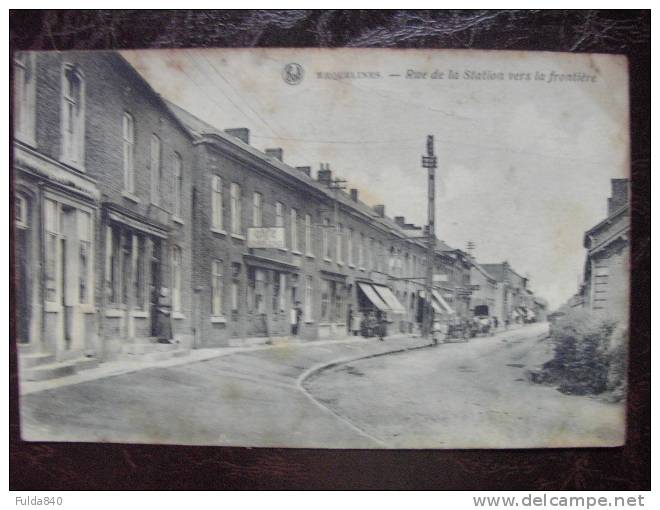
(120, 367)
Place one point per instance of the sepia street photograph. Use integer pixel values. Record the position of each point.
(322, 248)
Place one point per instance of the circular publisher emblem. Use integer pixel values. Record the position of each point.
(293, 73)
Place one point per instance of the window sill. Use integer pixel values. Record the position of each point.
(178, 220)
(178, 315)
(310, 256)
(284, 250)
(238, 236)
(296, 252)
(218, 319)
(114, 312)
(340, 263)
(130, 196)
(140, 314)
(309, 322)
(352, 266)
(87, 308)
(327, 259)
(217, 230)
(362, 269)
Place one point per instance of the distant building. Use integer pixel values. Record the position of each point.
(484, 291)
(605, 287)
(512, 299)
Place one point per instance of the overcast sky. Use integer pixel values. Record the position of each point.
(524, 167)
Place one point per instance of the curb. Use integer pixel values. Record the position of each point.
(320, 367)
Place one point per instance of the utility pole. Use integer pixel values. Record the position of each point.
(429, 161)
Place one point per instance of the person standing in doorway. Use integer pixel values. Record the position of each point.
(164, 317)
(355, 324)
(294, 318)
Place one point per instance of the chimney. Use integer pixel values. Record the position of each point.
(276, 153)
(305, 169)
(619, 196)
(400, 220)
(354, 194)
(242, 134)
(324, 175)
(379, 210)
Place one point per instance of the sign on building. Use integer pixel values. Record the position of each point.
(266, 237)
(440, 277)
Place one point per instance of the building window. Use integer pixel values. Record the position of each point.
(277, 291)
(349, 246)
(361, 252)
(326, 238)
(155, 169)
(21, 212)
(257, 209)
(279, 214)
(309, 293)
(294, 230)
(73, 115)
(24, 96)
(52, 231)
(235, 192)
(126, 263)
(338, 302)
(308, 234)
(217, 285)
(340, 257)
(177, 163)
(176, 278)
(112, 281)
(128, 141)
(84, 257)
(325, 300)
(139, 279)
(217, 220)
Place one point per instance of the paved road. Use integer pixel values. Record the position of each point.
(454, 395)
(466, 395)
(251, 398)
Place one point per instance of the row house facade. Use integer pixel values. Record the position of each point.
(605, 288)
(102, 190)
(119, 194)
(338, 256)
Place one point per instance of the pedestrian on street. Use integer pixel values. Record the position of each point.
(381, 325)
(294, 318)
(355, 324)
(164, 317)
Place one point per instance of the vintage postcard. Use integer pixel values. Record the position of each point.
(351, 248)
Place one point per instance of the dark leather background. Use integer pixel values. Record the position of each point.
(111, 466)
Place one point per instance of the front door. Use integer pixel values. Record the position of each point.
(155, 285)
(22, 287)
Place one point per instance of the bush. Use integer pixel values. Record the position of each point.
(585, 360)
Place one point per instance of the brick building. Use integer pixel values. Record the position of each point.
(102, 177)
(513, 301)
(605, 288)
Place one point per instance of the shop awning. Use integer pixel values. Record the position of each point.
(437, 297)
(373, 296)
(386, 294)
(434, 303)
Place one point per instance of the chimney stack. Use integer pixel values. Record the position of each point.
(619, 196)
(379, 210)
(354, 195)
(276, 153)
(242, 134)
(400, 220)
(324, 175)
(307, 170)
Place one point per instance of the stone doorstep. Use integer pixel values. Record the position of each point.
(57, 369)
(31, 360)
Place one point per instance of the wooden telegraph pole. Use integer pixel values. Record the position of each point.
(429, 161)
